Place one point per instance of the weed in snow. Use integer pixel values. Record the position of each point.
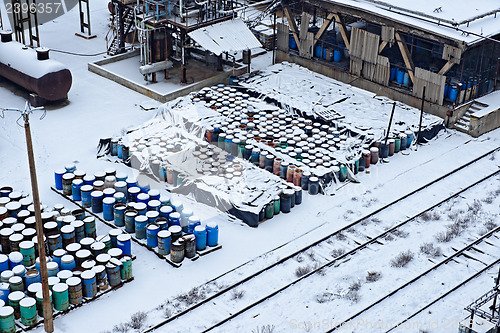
(430, 250)
(340, 236)
(264, 329)
(402, 259)
(302, 270)
(337, 253)
(237, 294)
(138, 320)
(373, 276)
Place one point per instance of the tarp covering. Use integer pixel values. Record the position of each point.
(228, 36)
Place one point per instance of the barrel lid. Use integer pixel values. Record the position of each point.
(15, 279)
(68, 176)
(103, 257)
(16, 296)
(52, 265)
(175, 215)
(53, 280)
(13, 205)
(87, 241)
(175, 229)
(374, 149)
(6, 311)
(130, 212)
(27, 302)
(77, 181)
(87, 275)
(115, 252)
(34, 287)
(67, 258)
(115, 261)
(108, 192)
(153, 227)
(96, 194)
(164, 234)
(97, 246)
(123, 237)
(77, 223)
(108, 200)
(73, 281)
(194, 218)
(60, 171)
(134, 189)
(4, 200)
(60, 288)
(141, 218)
(115, 232)
(6, 232)
(187, 211)
(391, 141)
(143, 196)
(32, 273)
(199, 228)
(89, 219)
(15, 256)
(3, 210)
(67, 229)
(120, 183)
(3, 257)
(19, 270)
(73, 247)
(83, 253)
(118, 195)
(365, 152)
(166, 209)
(140, 206)
(39, 294)
(16, 237)
(18, 227)
(64, 274)
(86, 188)
(98, 269)
(110, 179)
(313, 179)
(89, 178)
(58, 252)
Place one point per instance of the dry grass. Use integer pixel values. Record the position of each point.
(373, 276)
(402, 259)
(340, 236)
(430, 250)
(302, 270)
(337, 253)
(264, 329)
(237, 294)
(138, 320)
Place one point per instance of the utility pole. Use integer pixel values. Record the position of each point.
(47, 305)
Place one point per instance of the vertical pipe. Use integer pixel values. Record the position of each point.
(497, 282)
(390, 122)
(421, 116)
(47, 306)
(274, 38)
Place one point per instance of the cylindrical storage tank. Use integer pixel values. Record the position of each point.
(27, 249)
(124, 243)
(126, 268)
(75, 290)
(89, 284)
(177, 251)
(39, 302)
(14, 298)
(28, 311)
(212, 234)
(164, 240)
(7, 320)
(60, 296)
(113, 272)
(201, 237)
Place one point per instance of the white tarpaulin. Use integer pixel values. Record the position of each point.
(228, 36)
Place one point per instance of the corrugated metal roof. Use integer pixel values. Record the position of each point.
(228, 36)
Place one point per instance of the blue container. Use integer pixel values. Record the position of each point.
(143, 197)
(119, 149)
(89, 224)
(58, 178)
(337, 55)
(154, 194)
(129, 220)
(298, 195)
(254, 158)
(120, 198)
(67, 262)
(164, 241)
(113, 236)
(88, 180)
(446, 90)
(313, 186)
(55, 242)
(453, 94)
(96, 201)
(409, 135)
(400, 76)
(291, 42)
(165, 211)
(119, 214)
(89, 284)
(318, 50)
(123, 242)
(192, 222)
(4, 292)
(227, 144)
(131, 182)
(393, 73)
(141, 222)
(15, 258)
(177, 206)
(152, 235)
(404, 141)
(286, 200)
(4, 262)
(76, 188)
(200, 233)
(132, 193)
(141, 208)
(406, 80)
(108, 208)
(113, 273)
(247, 152)
(152, 216)
(304, 180)
(212, 234)
(32, 276)
(174, 219)
(383, 150)
(57, 255)
(154, 205)
(283, 170)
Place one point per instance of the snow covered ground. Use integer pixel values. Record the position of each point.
(100, 108)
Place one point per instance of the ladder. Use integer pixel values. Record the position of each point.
(117, 44)
(20, 18)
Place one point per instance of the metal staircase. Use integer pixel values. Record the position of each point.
(114, 44)
(463, 123)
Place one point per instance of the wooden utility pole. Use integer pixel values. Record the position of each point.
(47, 305)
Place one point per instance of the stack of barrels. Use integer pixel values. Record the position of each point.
(79, 263)
(164, 226)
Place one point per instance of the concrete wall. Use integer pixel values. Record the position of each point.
(364, 84)
(484, 124)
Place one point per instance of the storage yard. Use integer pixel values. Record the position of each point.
(195, 181)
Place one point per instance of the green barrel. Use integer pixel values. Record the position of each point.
(60, 296)
(7, 321)
(397, 145)
(126, 268)
(343, 172)
(39, 301)
(28, 311)
(277, 204)
(16, 283)
(14, 298)
(356, 166)
(269, 210)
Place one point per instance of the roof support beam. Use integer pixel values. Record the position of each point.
(446, 68)
(382, 47)
(342, 30)
(406, 56)
(321, 30)
(293, 25)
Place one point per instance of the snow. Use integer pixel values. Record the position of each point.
(491, 100)
(99, 108)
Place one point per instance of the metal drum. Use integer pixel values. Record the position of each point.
(189, 246)
(164, 240)
(130, 216)
(177, 251)
(27, 307)
(89, 284)
(140, 226)
(60, 296)
(212, 234)
(67, 181)
(124, 243)
(89, 223)
(96, 199)
(200, 234)
(108, 205)
(126, 268)
(39, 301)
(85, 192)
(113, 272)
(7, 319)
(152, 235)
(75, 290)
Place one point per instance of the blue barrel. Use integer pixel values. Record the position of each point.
(121, 187)
(130, 216)
(57, 255)
(154, 194)
(318, 50)
(131, 182)
(68, 234)
(247, 153)
(193, 221)
(254, 158)
(96, 199)
(174, 219)
(383, 150)
(152, 216)
(132, 193)
(212, 234)
(337, 55)
(400, 76)
(291, 42)
(165, 211)
(409, 135)
(15, 258)
(119, 214)
(446, 90)
(120, 198)
(31, 276)
(393, 73)
(55, 242)
(177, 206)
(113, 236)
(143, 197)
(283, 170)
(453, 93)
(58, 178)
(67, 262)
(200, 233)
(298, 195)
(185, 215)
(79, 230)
(313, 185)
(163, 241)
(107, 208)
(154, 205)
(89, 225)
(88, 179)
(109, 192)
(123, 242)
(89, 284)
(406, 80)
(152, 235)
(76, 188)
(85, 192)
(4, 292)
(140, 226)
(113, 272)
(404, 141)
(4, 262)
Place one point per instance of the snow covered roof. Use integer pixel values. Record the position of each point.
(228, 36)
(449, 18)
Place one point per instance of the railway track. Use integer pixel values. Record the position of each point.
(277, 275)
